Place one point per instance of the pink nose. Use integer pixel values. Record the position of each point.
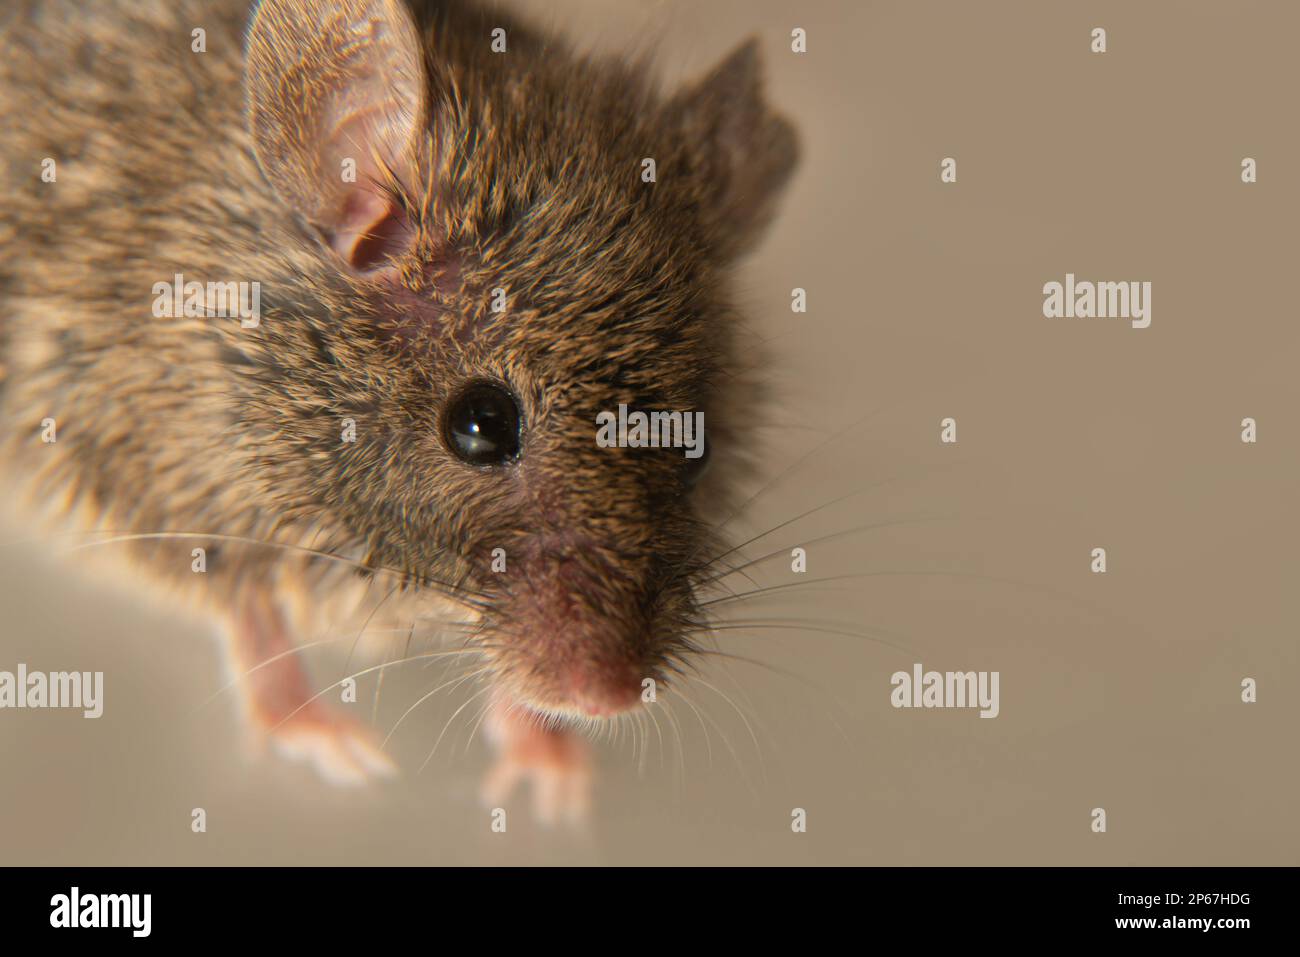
(600, 693)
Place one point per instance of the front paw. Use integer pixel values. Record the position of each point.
(284, 710)
(342, 750)
(554, 762)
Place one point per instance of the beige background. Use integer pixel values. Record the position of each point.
(1119, 691)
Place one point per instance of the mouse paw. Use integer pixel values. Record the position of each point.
(555, 763)
(343, 751)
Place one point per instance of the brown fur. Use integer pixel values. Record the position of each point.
(519, 171)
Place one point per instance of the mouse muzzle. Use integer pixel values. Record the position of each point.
(578, 633)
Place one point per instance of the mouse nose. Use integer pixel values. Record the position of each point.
(574, 636)
(602, 692)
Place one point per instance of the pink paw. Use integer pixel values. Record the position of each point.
(343, 751)
(554, 762)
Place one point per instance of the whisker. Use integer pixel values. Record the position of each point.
(748, 727)
(794, 625)
(446, 726)
(830, 537)
(366, 624)
(735, 755)
(708, 745)
(1035, 587)
(793, 676)
(681, 750)
(687, 564)
(453, 682)
(730, 570)
(784, 473)
(785, 586)
(475, 599)
(379, 683)
(803, 515)
(641, 723)
(297, 649)
(482, 713)
(365, 671)
(659, 736)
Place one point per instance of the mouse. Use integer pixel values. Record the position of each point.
(329, 298)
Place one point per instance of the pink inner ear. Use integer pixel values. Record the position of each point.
(371, 230)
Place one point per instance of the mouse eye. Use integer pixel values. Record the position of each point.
(695, 468)
(481, 425)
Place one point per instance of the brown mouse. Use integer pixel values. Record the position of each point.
(461, 258)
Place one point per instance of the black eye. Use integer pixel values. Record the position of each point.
(481, 425)
(695, 468)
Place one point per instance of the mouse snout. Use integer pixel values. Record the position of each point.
(576, 633)
(599, 691)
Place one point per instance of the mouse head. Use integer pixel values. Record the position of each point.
(497, 247)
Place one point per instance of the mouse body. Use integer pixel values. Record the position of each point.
(335, 294)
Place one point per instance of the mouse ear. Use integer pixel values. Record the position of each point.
(334, 99)
(746, 152)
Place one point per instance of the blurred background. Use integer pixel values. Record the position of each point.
(1119, 691)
